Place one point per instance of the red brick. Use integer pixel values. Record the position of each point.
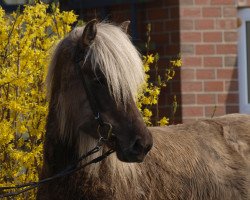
(187, 2)
(230, 61)
(187, 99)
(226, 24)
(161, 50)
(172, 49)
(226, 49)
(206, 99)
(231, 86)
(205, 49)
(187, 74)
(191, 86)
(170, 3)
(222, 2)
(232, 109)
(157, 27)
(205, 74)
(172, 25)
(212, 61)
(174, 37)
(190, 12)
(160, 38)
(202, 2)
(190, 37)
(174, 12)
(187, 49)
(212, 37)
(228, 98)
(231, 36)
(155, 4)
(175, 87)
(214, 110)
(204, 24)
(193, 111)
(158, 13)
(187, 24)
(228, 74)
(230, 11)
(213, 86)
(211, 12)
(192, 61)
(189, 120)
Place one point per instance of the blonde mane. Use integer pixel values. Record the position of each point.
(114, 55)
(118, 60)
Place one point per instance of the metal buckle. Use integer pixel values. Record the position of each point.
(98, 116)
(109, 132)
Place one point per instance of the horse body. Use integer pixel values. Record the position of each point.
(205, 160)
(209, 159)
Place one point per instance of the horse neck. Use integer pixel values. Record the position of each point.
(59, 153)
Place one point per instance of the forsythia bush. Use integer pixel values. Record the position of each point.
(151, 90)
(149, 97)
(26, 40)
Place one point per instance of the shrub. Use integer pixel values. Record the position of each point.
(149, 97)
(26, 40)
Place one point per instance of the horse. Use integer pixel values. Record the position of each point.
(92, 82)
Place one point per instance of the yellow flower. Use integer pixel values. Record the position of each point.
(146, 67)
(150, 58)
(147, 112)
(176, 63)
(26, 39)
(164, 121)
(146, 101)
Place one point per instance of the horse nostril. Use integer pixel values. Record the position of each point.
(148, 148)
(137, 147)
(140, 148)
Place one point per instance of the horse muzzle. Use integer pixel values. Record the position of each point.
(135, 152)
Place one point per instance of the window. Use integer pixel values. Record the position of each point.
(244, 60)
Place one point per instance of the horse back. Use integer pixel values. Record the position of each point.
(208, 159)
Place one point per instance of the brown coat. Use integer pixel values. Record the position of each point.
(208, 159)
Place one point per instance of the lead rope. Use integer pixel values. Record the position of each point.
(68, 171)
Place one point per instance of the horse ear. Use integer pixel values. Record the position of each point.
(124, 26)
(89, 32)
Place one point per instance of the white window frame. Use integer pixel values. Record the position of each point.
(244, 15)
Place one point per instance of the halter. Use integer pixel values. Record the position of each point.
(102, 126)
(92, 101)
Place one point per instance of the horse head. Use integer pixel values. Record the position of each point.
(98, 74)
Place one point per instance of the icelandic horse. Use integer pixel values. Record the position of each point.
(207, 159)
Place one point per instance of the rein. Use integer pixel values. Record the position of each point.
(69, 170)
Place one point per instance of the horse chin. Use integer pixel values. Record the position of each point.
(130, 158)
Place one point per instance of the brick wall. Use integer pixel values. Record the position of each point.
(205, 33)
(208, 32)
